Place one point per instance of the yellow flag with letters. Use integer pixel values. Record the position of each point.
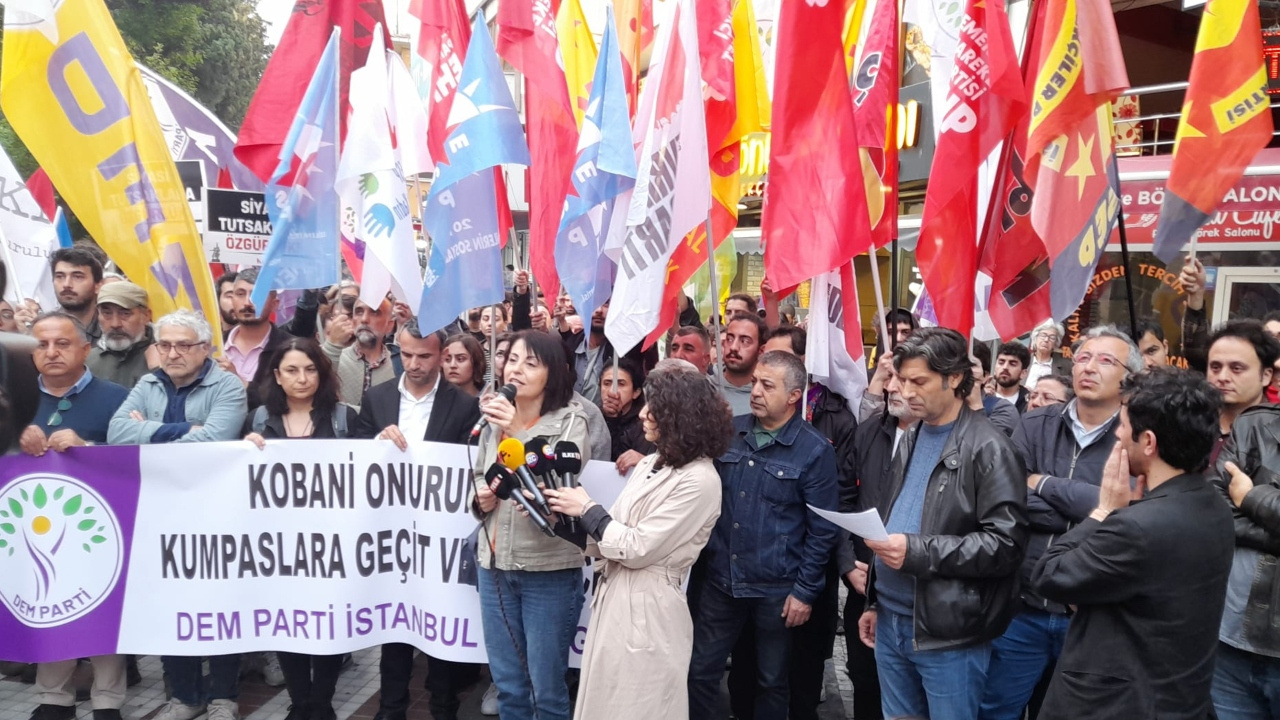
(74, 95)
(578, 49)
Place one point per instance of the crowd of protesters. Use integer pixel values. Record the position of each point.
(1070, 532)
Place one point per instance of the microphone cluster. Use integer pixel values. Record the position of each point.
(521, 467)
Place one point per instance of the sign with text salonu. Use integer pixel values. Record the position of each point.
(318, 547)
(237, 228)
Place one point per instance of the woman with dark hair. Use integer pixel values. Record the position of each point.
(302, 402)
(530, 584)
(635, 663)
(463, 364)
(500, 349)
(621, 397)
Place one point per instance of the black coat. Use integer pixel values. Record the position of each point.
(1149, 584)
(626, 432)
(832, 417)
(973, 535)
(453, 413)
(321, 422)
(1047, 445)
(872, 470)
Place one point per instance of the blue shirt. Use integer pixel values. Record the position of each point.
(894, 588)
(91, 401)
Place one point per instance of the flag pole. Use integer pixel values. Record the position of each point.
(1128, 276)
(875, 283)
(893, 285)
(713, 287)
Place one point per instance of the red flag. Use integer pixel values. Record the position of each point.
(815, 208)
(289, 71)
(41, 188)
(875, 107)
(983, 104)
(1226, 119)
(442, 44)
(527, 40)
(224, 179)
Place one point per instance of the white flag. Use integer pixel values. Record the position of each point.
(381, 151)
(672, 194)
(834, 354)
(29, 239)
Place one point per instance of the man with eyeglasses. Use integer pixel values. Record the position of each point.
(1064, 449)
(187, 399)
(75, 410)
(8, 320)
(1050, 390)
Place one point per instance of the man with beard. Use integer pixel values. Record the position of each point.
(368, 361)
(741, 351)
(77, 278)
(226, 284)
(874, 442)
(1241, 362)
(123, 353)
(1012, 360)
(254, 339)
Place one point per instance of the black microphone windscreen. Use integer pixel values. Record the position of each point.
(568, 457)
(499, 481)
(534, 456)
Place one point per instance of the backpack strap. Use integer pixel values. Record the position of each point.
(340, 429)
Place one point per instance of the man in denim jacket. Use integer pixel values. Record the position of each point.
(766, 557)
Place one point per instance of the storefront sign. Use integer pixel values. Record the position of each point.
(1250, 212)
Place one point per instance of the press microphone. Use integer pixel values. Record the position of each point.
(507, 391)
(535, 459)
(511, 453)
(505, 487)
(568, 462)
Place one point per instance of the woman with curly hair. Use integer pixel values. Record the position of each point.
(635, 662)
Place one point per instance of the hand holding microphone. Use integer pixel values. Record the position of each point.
(496, 412)
(505, 486)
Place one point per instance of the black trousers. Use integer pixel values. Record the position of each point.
(811, 645)
(310, 679)
(860, 663)
(445, 679)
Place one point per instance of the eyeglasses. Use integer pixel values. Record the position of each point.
(182, 348)
(1105, 360)
(56, 418)
(1046, 398)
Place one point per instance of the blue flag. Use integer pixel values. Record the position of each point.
(301, 200)
(605, 168)
(465, 267)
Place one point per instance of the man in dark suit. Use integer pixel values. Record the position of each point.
(1148, 578)
(419, 406)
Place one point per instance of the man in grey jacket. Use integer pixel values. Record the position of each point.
(188, 399)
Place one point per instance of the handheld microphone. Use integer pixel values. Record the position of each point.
(535, 458)
(507, 391)
(511, 453)
(505, 487)
(568, 462)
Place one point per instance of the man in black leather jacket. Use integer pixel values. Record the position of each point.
(944, 583)
(1246, 677)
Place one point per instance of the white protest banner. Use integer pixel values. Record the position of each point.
(237, 228)
(307, 546)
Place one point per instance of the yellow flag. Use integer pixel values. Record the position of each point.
(74, 95)
(579, 51)
(852, 32)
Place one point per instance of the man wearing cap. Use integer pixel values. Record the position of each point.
(123, 354)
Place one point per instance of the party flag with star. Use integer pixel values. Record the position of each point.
(1070, 151)
(464, 269)
(1226, 120)
(301, 200)
(605, 168)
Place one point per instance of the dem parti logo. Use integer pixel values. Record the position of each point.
(61, 549)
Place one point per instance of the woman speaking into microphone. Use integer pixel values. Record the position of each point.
(636, 661)
(530, 584)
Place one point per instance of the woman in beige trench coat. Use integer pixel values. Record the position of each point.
(635, 663)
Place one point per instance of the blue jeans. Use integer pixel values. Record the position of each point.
(1246, 686)
(530, 619)
(934, 684)
(717, 625)
(189, 684)
(1018, 660)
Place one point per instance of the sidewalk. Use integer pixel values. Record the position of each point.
(356, 698)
